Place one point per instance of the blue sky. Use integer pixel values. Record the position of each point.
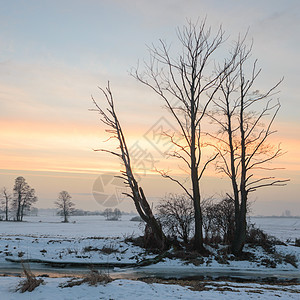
(53, 54)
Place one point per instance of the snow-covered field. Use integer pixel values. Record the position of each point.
(79, 226)
(282, 228)
(135, 290)
(92, 239)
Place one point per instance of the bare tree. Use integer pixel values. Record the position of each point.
(19, 193)
(6, 199)
(191, 80)
(117, 214)
(112, 215)
(244, 116)
(65, 205)
(176, 214)
(28, 200)
(109, 118)
(24, 197)
(108, 213)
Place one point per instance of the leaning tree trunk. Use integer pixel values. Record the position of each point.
(154, 236)
(142, 206)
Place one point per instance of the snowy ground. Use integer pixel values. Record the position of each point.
(283, 228)
(85, 239)
(91, 239)
(131, 289)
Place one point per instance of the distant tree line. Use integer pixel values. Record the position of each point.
(112, 215)
(82, 212)
(66, 208)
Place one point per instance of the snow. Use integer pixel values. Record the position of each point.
(83, 241)
(131, 289)
(71, 242)
(85, 237)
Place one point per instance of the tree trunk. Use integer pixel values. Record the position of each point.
(19, 207)
(198, 239)
(6, 209)
(22, 213)
(152, 222)
(240, 231)
(232, 166)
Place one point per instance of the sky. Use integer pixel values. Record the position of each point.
(55, 54)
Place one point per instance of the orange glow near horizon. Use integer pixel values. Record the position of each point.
(45, 146)
(60, 156)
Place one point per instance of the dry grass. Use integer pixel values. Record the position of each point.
(109, 249)
(30, 283)
(232, 285)
(94, 278)
(105, 249)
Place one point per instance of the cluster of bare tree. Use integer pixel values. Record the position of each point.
(176, 215)
(18, 203)
(206, 90)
